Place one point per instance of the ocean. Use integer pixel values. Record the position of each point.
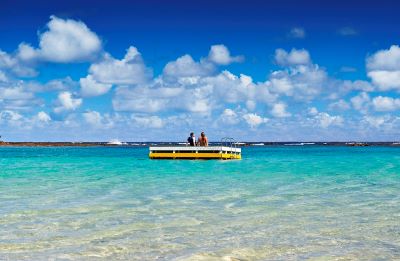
(277, 203)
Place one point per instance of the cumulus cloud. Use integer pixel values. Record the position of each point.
(326, 120)
(375, 121)
(17, 98)
(381, 103)
(90, 87)
(294, 57)
(66, 40)
(312, 111)
(151, 100)
(10, 116)
(220, 54)
(129, 70)
(341, 105)
(149, 121)
(279, 110)
(92, 117)
(384, 68)
(229, 116)
(43, 117)
(323, 119)
(189, 91)
(297, 32)
(66, 102)
(361, 102)
(254, 120)
(185, 66)
(3, 77)
(300, 79)
(12, 66)
(357, 85)
(302, 83)
(196, 95)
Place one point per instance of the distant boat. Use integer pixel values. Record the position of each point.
(300, 144)
(239, 143)
(114, 142)
(257, 144)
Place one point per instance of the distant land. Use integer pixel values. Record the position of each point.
(153, 143)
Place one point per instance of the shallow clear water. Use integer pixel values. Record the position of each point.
(277, 203)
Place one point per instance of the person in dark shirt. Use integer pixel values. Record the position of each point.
(192, 139)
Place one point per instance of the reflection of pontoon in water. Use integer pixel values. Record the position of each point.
(226, 151)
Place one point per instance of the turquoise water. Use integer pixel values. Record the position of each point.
(277, 203)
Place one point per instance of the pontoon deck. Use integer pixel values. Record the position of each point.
(190, 152)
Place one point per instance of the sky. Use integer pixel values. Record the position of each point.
(157, 70)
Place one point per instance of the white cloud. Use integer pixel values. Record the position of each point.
(60, 84)
(325, 120)
(129, 70)
(185, 66)
(339, 105)
(229, 116)
(357, 85)
(385, 59)
(92, 117)
(8, 115)
(303, 83)
(279, 110)
(301, 79)
(43, 117)
(254, 120)
(17, 98)
(15, 93)
(381, 103)
(297, 32)
(144, 99)
(67, 41)
(384, 68)
(3, 77)
(375, 121)
(312, 111)
(90, 87)
(149, 121)
(26, 53)
(66, 102)
(11, 65)
(361, 102)
(294, 57)
(99, 121)
(386, 80)
(220, 54)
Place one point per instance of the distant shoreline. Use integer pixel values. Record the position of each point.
(146, 144)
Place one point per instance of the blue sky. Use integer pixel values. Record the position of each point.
(156, 70)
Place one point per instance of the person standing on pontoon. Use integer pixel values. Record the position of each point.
(192, 139)
(203, 140)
